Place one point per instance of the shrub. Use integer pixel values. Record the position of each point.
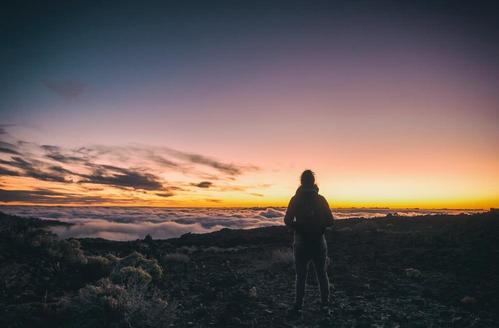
(99, 265)
(112, 258)
(42, 240)
(98, 261)
(130, 275)
(72, 253)
(138, 260)
(107, 304)
(67, 251)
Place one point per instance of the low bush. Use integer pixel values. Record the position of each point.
(138, 260)
(99, 265)
(129, 275)
(108, 304)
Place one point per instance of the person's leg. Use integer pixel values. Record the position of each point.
(311, 275)
(321, 271)
(301, 261)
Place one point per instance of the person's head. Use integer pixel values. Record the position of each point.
(307, 178)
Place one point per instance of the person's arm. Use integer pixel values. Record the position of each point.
(328, 214)
(290, 214)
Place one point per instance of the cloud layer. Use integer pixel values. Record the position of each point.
(130, 223)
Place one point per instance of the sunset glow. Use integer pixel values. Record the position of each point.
(175, 109)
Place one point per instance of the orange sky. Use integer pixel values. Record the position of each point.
(361, 178)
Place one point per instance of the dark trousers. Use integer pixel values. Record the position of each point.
(305, 252)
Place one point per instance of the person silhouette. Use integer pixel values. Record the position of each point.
(308, 215)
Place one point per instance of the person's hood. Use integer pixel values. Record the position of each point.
(307, 189)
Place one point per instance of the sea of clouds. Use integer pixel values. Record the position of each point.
(130, 223)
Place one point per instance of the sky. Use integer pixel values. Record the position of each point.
(158, 103)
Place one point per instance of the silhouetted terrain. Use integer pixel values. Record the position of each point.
(431, 271)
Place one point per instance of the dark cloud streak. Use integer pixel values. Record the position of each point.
(165, 194)
(120, 177)
(5, 171)
(202, 184)
(9, 151)
(45, 196)
(34, 170)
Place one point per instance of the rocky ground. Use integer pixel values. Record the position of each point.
(433, 271)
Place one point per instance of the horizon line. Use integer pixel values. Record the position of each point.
(269, 206)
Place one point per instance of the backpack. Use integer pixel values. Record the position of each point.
(310, 218)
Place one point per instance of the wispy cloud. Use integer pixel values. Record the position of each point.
(3, 128)
(65, 89)
(35, 169)
(130, 168)
(227, 168)
(8, 148)
(55, 153)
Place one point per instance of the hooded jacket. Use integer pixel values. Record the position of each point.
(308, 213)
